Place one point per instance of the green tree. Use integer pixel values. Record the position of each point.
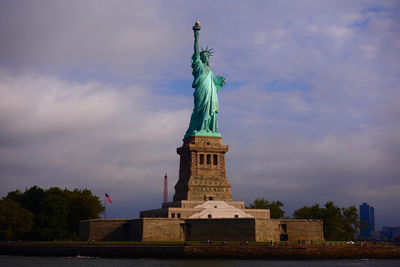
(83, 205)
(15, 196)
(56, 212)
(304, 213)
(351, 222)
(15, 221)
(52, 217)
(32, 199)
(274, 207)
(332, 218)
(339, 223)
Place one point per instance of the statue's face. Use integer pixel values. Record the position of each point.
(204, 58)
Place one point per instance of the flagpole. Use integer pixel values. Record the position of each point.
(105, 207)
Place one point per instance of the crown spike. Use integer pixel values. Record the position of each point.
(209, 51)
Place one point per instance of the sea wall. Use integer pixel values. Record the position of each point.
(204, 251)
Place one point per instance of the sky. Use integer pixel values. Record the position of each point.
(97, 95)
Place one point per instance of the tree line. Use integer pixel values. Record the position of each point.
(54, 214)
(46, 214)
(339, 223)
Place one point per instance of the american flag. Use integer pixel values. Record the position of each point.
(108, 198)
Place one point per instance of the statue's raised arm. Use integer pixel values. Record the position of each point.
(196, 29)
(203, 121)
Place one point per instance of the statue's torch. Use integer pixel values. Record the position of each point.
(196, 26)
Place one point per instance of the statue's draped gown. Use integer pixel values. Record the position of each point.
(204, 116)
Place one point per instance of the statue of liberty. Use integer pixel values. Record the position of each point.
(203, 121)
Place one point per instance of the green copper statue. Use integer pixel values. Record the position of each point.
(203, 121)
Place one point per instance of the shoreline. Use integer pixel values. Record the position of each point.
(289, 252)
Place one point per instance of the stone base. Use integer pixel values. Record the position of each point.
(200, 221)
(202, 173)
(166, 229)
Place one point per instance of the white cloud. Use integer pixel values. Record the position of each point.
(107, 124)
(83, 135)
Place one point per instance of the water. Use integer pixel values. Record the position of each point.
(83, 261)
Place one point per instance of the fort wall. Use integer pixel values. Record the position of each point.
(234, 229)
(220, 229)
(164, 229)
(267, 230)
(304, 229)
(102, 229)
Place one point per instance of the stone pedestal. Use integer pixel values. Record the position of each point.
(202, 173)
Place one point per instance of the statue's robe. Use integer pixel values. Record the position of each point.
(204, 115)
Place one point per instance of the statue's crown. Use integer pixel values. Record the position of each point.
(209, 51)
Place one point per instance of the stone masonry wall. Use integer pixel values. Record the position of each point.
(183, 213)
(220, 229)
(84, 230)
(304, 229)
(258, 213)
(166, 229)
(133, 230)
(163, 229)
(202, 171)
(267, 230)
(104, 229)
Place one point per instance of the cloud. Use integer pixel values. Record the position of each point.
(56, 133)
(126, 38)
(97, 94)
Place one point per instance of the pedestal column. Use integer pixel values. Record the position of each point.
(202, 172)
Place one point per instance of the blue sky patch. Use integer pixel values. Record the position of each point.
(175, 87)
(374, 9)
(285, 86)
(361, 23)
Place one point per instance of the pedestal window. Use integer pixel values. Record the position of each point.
(215, 159)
